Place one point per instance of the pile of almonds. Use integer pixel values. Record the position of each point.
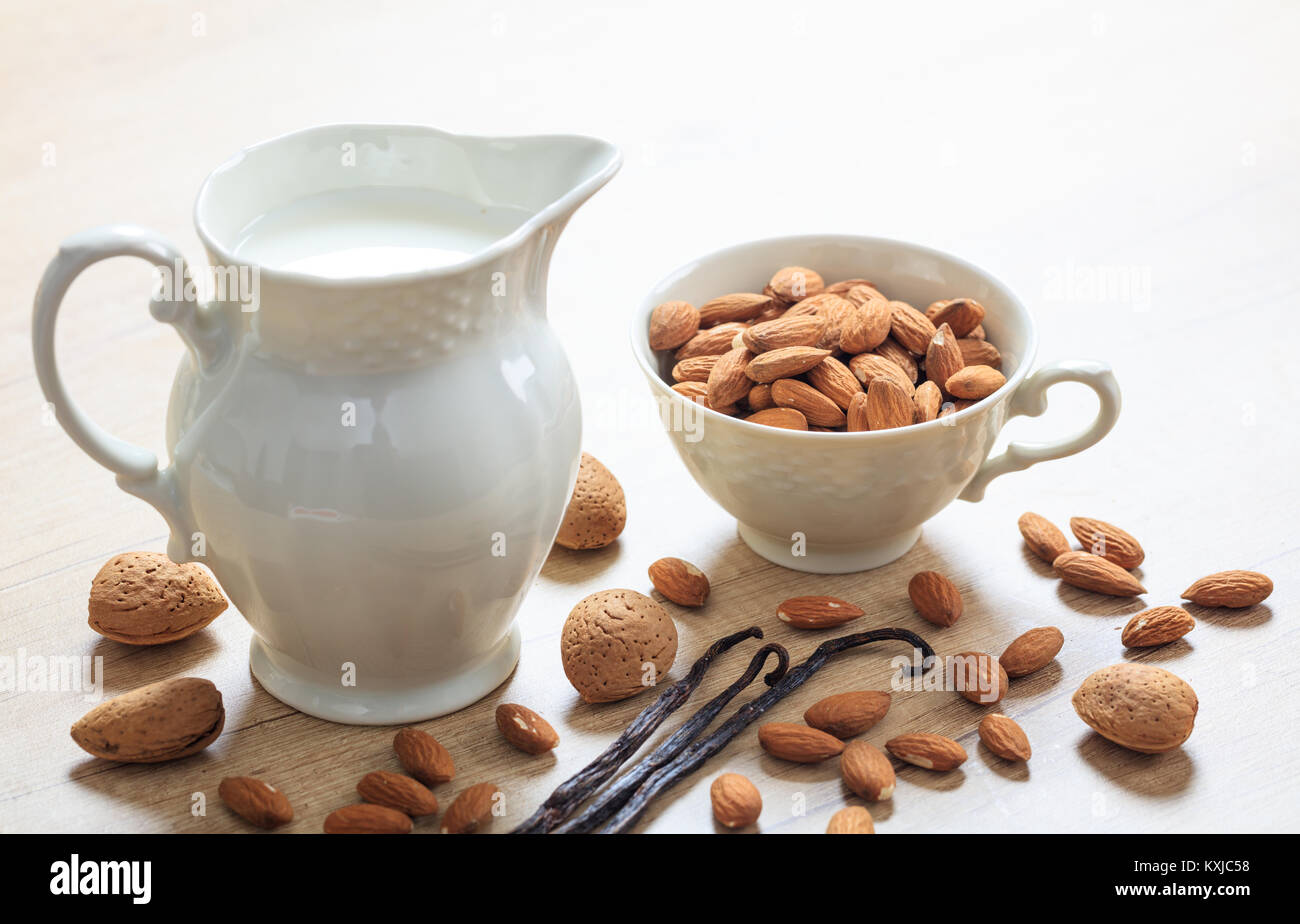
(803, 355)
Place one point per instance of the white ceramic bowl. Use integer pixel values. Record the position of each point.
(833, 503)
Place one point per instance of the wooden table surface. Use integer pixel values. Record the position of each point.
(1131, 172)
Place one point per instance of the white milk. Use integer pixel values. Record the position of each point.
(373, 231)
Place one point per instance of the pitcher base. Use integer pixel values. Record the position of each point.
(826, 558)
(308, 690)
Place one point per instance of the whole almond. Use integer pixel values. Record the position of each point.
(798, 743)
(784, 362)
(470, 809)
(979, 353)
(1092, 572)
(834, 380)
(891, 351)
(672, 324)
(1137, 706)
(695, 391)
(943, 356)
(1157, 626)
(836, 311)
(1110, 542)
(853, 819)
(160, 721)
(855, 417)
(367, 818)
(256, 802)
(814, 612)
(728, 382)
(423, 757)
(963, 315)
(786, 418)
(679, 581)
(759, 398)
(974, 382)
(936, 598)
(709, 342)
(926, 402)
(867, 771)
(812, 305)
(845, 286)
(695, 368)
(911, 328)
(845, 715)
(928, 751)
(1032, 651)
(525, 729)
(145, 598)
(805, 399)
(1004, 737)
(1233, 589)
(869, 366)
(1043, 537)
(737, 802)
(888, 405)
(795, 283)
(397, 791)
(866, 326)
(738, 306)
(862, 292)
(977, 334)
(979, 677)
(800, 330)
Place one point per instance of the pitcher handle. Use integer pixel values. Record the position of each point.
(136, 467)
(1031, 400)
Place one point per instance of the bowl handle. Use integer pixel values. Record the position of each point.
(1031, 400)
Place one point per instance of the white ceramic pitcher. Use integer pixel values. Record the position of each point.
(373, 467)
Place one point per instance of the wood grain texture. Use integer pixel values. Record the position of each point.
(1143, 205)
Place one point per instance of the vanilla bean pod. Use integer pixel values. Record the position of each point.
(575, 790)
(694, 756)
(613, 798)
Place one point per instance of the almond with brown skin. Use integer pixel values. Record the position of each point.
(695, 391)
(928, 751)
(834, 380)
(963, 315)
(471, 809)
(866, 327)
(816, 612)
(1235, 589)
(855, 418)
(813, 304)
(936, 598)
(679, 581)
(759, 398)
(728, 382)
(805, 399)
(853, 819)
(1004, 737)
(862, 292)
(868, 366)
(256, 802)
(845, 286)
(891, 351)
(911, 328)
(672, 324)
(888, 406)
(974, 382)
(836, 311)
(1110, 542)
(979, 353)
(1042, 537)
(738, 306)
(709, 342)
(979, 677)
(1092, 572)
(423, 757)
(795, 283)
(1032, 651)
(367, 818)
(695, 368)
(1159, 625)
(926, 402)
(162, 721)
(784, 362)
(525, 729)
(801, 330)
(845, 715)
(786, 418)
(737, 802)
(867, 771)
(943, 356)
(397, 791)
(798, 743)
(1137, 706)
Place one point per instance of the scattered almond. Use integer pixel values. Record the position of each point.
(1004, 737)
(672, 324)
(737, 802)
(979, 677)
(936, 598)
(1043, 537)
(161, 721)
(597, 511)
(525, 729)
(867, 771)
(1110, 542)
(1032, 651)
(853, 819)
(815, 612)
(679, 581)
(256, 802)
(798, 743)
(845, 715)
(1157, 626)
(1235, 589)
(423, 757)
(1092, 572)
(470, 809)
(1137, 706)
(928, 751)
(397, 791)
(366, 818)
